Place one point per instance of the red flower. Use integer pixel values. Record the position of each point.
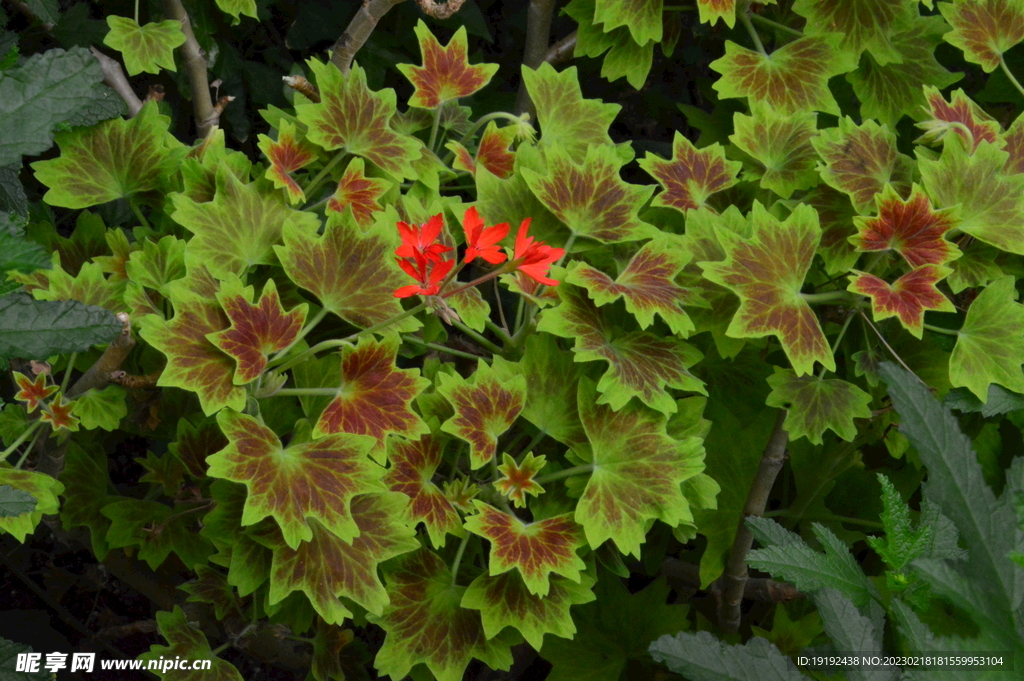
(428, 273)
(483, 242)
(419, 241)
(534, 259)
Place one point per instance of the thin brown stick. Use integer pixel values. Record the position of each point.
(358, 31)
(734, 579)
(114, 78)
(300, 84)
(538, 35)
(562, 50)
(195, 68)
(98, 375)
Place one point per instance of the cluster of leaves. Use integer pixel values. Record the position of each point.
(467, 463)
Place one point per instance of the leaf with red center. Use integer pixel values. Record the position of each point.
(835, 215)
(911, 228)
(814, 405)
(1014, 145)
(792, 78)
(352, 116)
(111, 160)
(425, 623)
(864, 24)
(517, 481)
(374, 396)
(907, 297)
(984, 29)
(692, 175)
(286, 155)
(781, 145)
(463, 160)
(647, 284)
(58, 414)
(446, 73)
(590, 198)
(638, 470)
(188, 642)
(889, 92)
(359, 192)
(713, 10)
(33, 392)
(536, 549)
(327, 568)
(350, 269)
(959, 115)
(989, 347)
(413, 463)
(504, 601)
(860, 160)
(314, 479)
(484, 409)
(256, 330)
(193, 362)
(641, 364)
(566, 119)
(495, 150)
(767, 272)
(44, 489)
(991, 201)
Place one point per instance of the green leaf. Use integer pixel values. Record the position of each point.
(47, 89)
(18, 253)
(902, 542)
(851, 630)
(814, 405)
(235, 8)
(148, 48)
(36, 328)
(984, 30)
(210, 586)
(781, 146)
(157, 264)
(101, 408)
(111, 160)
(188, 642)
(641, 17)
(9, 651)
(1000, 401)
(990, 346)
(704, 657)
(15, 502)
(864, 24)
(85, 481)
(41, 487)
(157, 529)
(626, 57)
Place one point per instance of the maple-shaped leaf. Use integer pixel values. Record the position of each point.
(358, 192)
(101, 408)
(975, 268)
(351, 270)
(32, 392)
(446, 73)
(165, 471)
(782, 147)
(157, 529)
(199, 169)
(413, 463)
(517, 481)
(493, 153)
(90, 286)
(767, 272)
(590, 198)
(352, 116)
(257, 329)
(148, 48)
(325, 567)
(43, 488)
(1013, 143)
(792, 78)
(505, 601)
(111, 160)
(211, 586)
(641, 17)
(566, 119)
(692, 175)
(286, 154)
(157, 263)
(484, 409)
(889, 92)
(637, 475)
(864, 24)
(536, 549)
(835, 215)
(85, 479)
(186, 642)
(859, 160)
(814, 405)
(989, 347)
(959, 115)
(193, 362)
(647, 284)
(87, 240)
(374, 396)
(910, 227)
(58, 414)
(425, 623)
(193, 443)
(239, 228)
(626, 56)
(984, 29)
(991, 201)
(314, 479)
(641, 364)
(713, 10)
(237, 7)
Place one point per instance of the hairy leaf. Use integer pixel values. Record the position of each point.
(703, 657)
(36, 328)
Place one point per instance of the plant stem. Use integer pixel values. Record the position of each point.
(745, 18)
(138, 212)
(136, 11)
(785, 513)
(324, 172)
(479, 280)
(887, 346)
(18, 440)
(29, 448)
(310, 325)
(939, 329)
(307, 391)
(435, 127)
(458, 559)
(358, 31)
(568, 472)
(439, 348)
(1009, 74)
(67, 372)
(195, 68)
(776, 25)
(538, 35)
(534, 441)
(483, 342)
(835, 344)
(501, 332)
(501, 313)
(837, 296)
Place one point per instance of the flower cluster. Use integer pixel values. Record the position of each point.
(422, 257)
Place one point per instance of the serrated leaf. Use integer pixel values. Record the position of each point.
(902, 542)
(36, 328)
(85, 481)
(148, 48)
(782, 147)
(984, 30)
(906, 298)
(33, 392)
(210, 586)
(185, 641)
(713, 10)
(360, 193)
(793, 78)
(41, 487)
(199, 169)
(90, 286)
(286, 154)
(111, 160)
(835, 215)
(413, 463)
(691, 176)
(446, 73)
(157, 529)
(626, 56)
(425, 623)
(989, 346)
(101, 408)
(767, 272)
(975, 268)
(864, 24)
(87, 241)
(517, 480)
(814, 405)
(959, 115)
(510, 199)
(641, 17)
(235, 8)
(315, 479)
(157, 263)
(910, 227)
(18, 253)
(703, 657)
(15, 502)
(1000, 401)
(849, 629)
(353, 117)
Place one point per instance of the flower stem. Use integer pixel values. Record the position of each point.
(484, 120)
(1009, 74)
(776, 25)
(435, 127)
(323, 174)
(500, 331)
(439, 348)
(21, 438)
(939, 329)
(458, 559)
(479, 280)
(477, 337)
(568, 472)
(745, 18)
(534, 442)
